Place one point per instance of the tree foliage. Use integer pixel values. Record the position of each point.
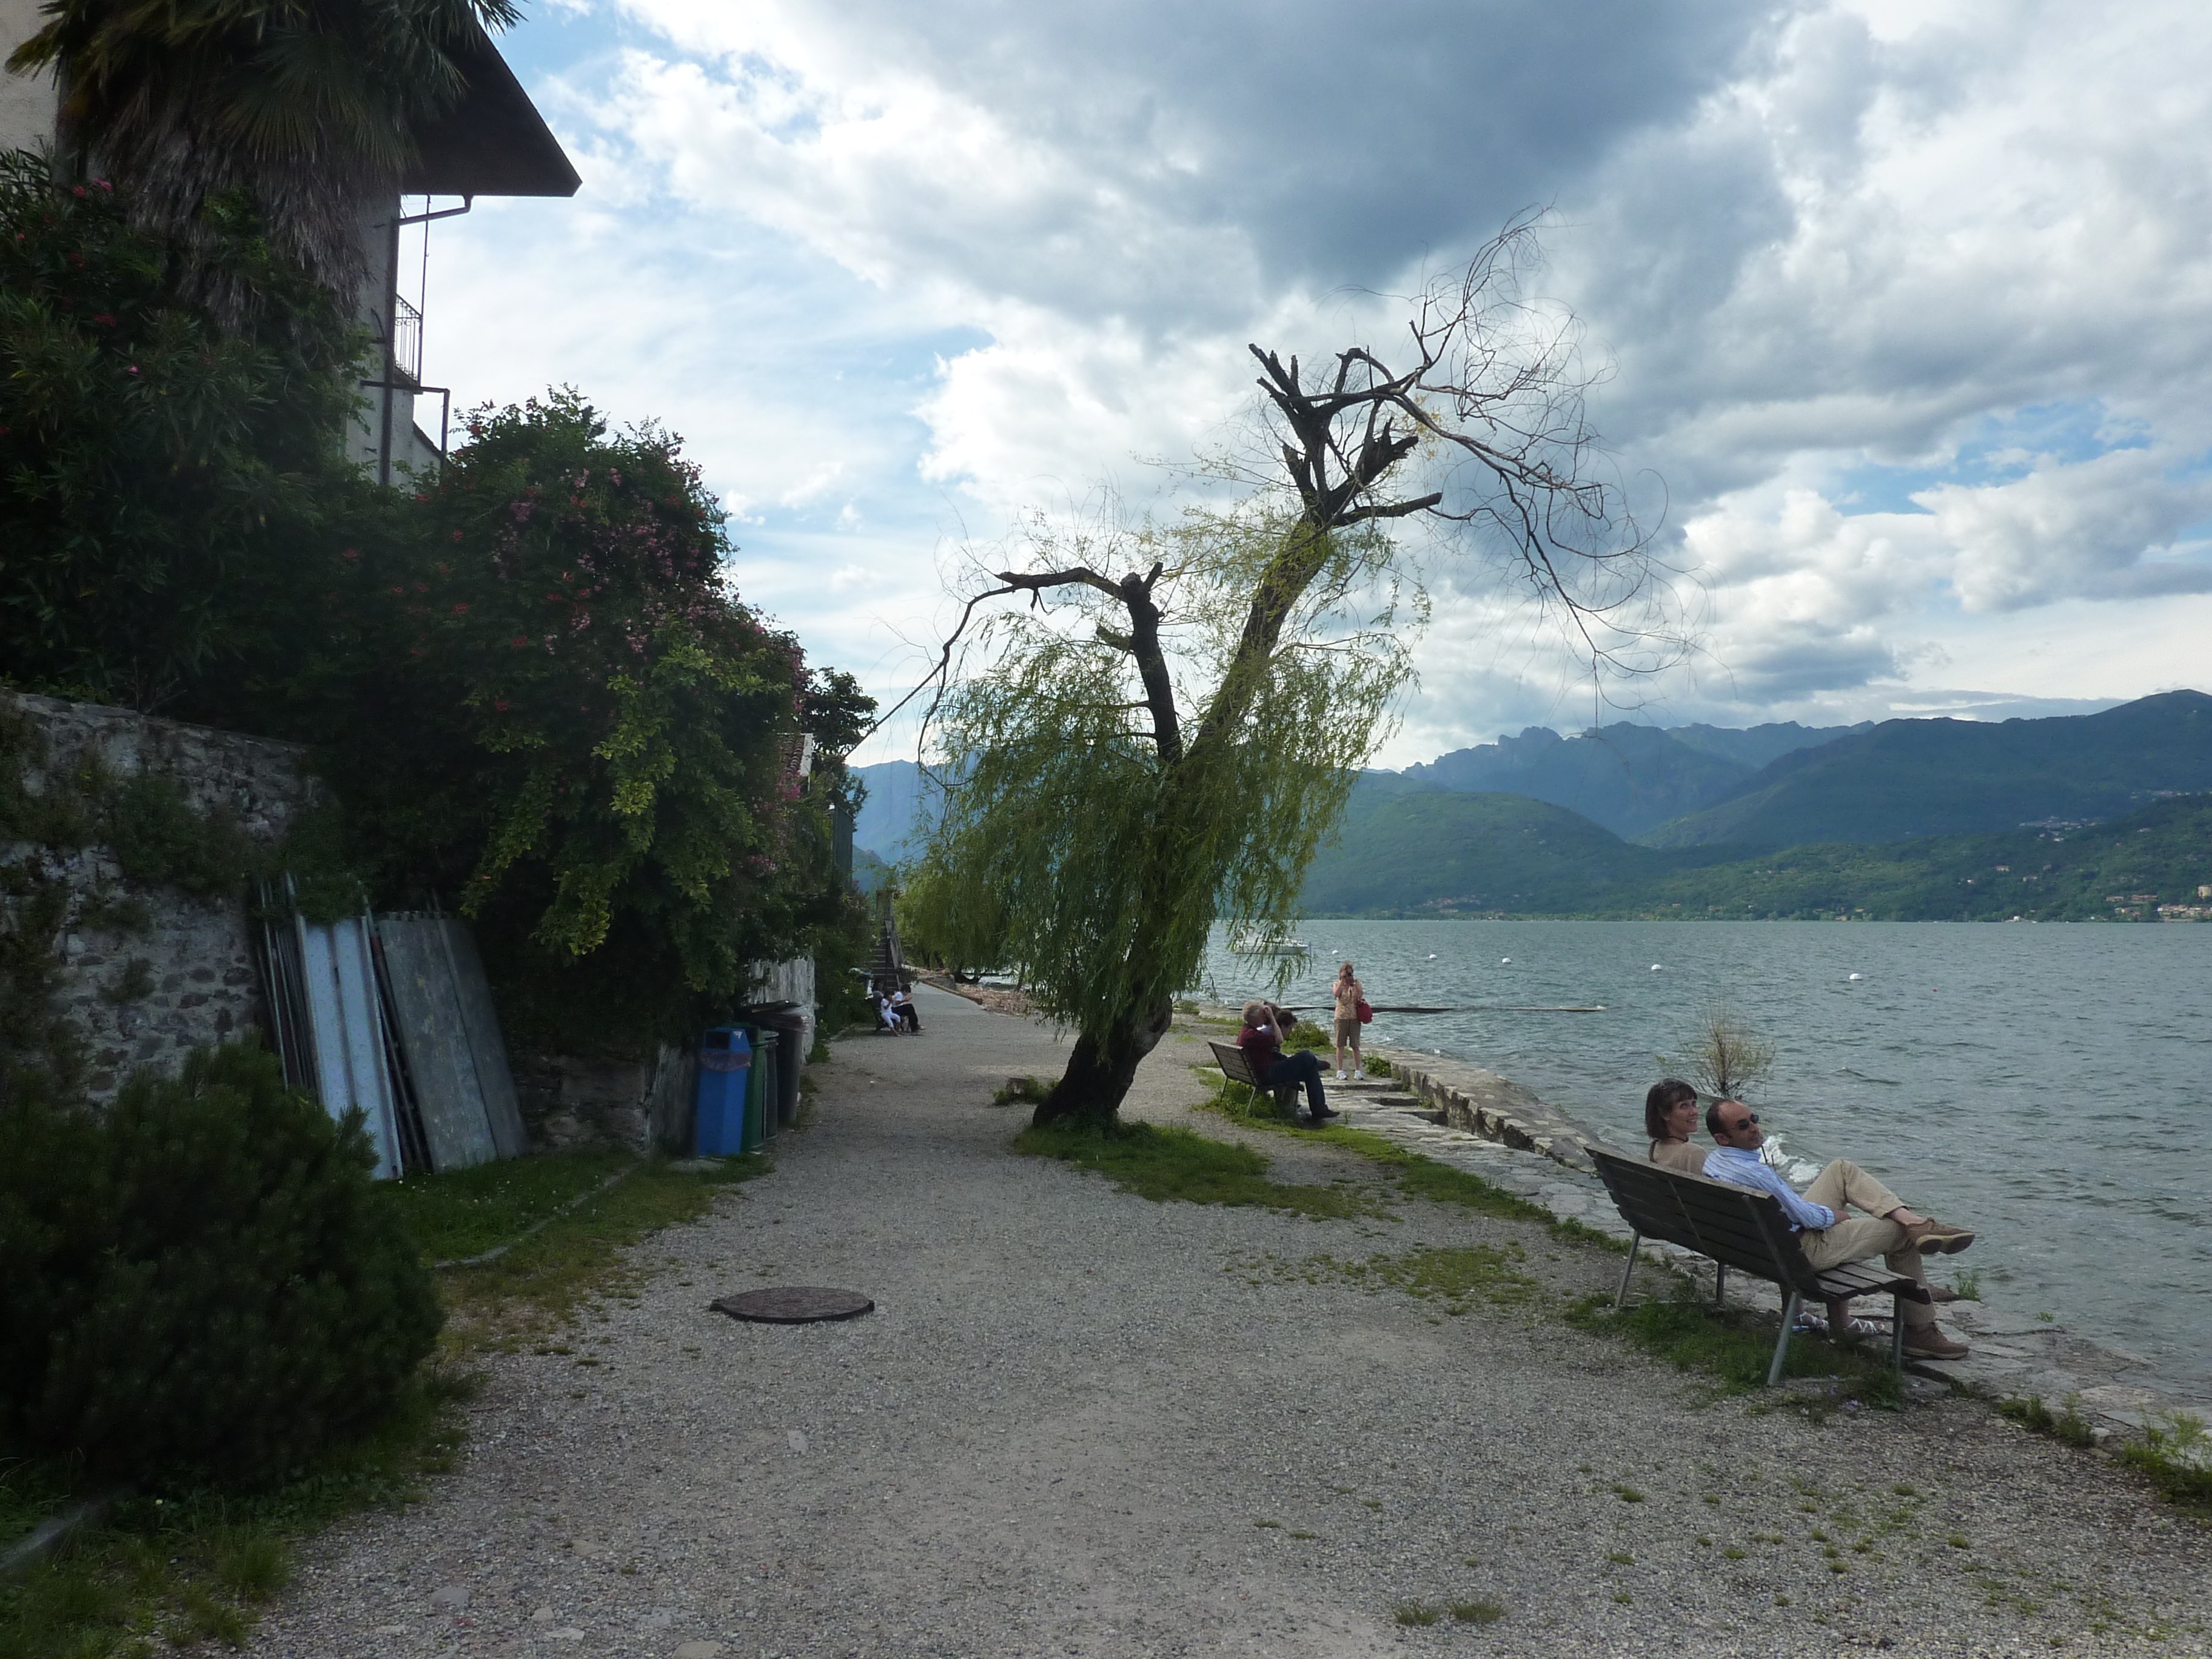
(1047, 858)
(150, 464)
(548, 709)
(1141, 753)
(308, 106)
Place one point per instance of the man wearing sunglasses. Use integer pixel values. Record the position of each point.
(1828, 1234)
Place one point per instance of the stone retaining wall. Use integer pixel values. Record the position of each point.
(144, 995)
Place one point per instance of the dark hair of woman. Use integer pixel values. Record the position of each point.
(1663, 1097)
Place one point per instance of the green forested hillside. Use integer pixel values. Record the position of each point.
(1911, 779)
(1438, 853)
(1427, 851)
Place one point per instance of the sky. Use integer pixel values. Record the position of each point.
(1899, 313)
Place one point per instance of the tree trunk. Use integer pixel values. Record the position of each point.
(1099, 1074)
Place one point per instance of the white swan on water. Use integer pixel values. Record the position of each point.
(1656, 969)
(1505, 961)
(1432, 956)
(1851, 975)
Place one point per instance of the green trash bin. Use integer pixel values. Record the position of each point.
(760, 1092)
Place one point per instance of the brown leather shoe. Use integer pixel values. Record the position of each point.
(1935, 1238)
(1929, 1342)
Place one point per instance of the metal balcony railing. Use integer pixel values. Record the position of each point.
(406, 341)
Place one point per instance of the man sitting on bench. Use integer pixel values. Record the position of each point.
(1262, 1040)
(1828, 1235)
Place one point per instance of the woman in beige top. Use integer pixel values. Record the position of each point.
(1670, 1118)
(1350, 993)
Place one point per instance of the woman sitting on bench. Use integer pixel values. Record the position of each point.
(1262, 1040)
(1670, 1118)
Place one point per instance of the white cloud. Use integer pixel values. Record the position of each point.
(897, 273)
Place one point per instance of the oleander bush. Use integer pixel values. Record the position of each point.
(197, 1286)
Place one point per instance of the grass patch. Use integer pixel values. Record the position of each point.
(1723, 1345)
(546, 1278)
(191, 1568)
(1477, 1612)
(1417, 1176)
(1458, 1278)
(2173, 1455)
(1177, 1163)
(1021, 1091)
(1417, 1612)
(2066, 1424)
(466, 1212)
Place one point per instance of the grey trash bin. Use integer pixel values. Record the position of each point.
(790, 1027)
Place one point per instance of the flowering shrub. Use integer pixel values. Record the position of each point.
(557, 717)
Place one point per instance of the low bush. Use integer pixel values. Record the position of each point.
(198, 1285)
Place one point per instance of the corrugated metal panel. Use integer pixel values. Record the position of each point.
(434, 1035)
(486, 1046)
(339, 981)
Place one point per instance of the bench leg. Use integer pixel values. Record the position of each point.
(1720, 1282)
(1635, 1243)
(1790, 1306)
(1897, 1334)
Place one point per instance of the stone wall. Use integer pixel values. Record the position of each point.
(645, 1105)
(142, 994)
(1483, 1103)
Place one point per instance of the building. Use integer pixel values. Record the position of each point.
(493, 143)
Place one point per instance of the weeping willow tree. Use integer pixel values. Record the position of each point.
(1164, 723)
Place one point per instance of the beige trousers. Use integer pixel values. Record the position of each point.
(1854, 1238)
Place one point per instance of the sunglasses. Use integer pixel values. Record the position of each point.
(1748, 1119)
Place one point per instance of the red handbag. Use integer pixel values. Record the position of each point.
(1366, 1013)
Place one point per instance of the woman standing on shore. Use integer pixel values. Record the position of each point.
(1350, 995)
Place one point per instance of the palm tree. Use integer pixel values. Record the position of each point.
(308, 106)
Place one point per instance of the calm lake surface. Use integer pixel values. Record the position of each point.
(2049, 1086)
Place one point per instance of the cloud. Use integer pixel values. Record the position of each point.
(898, 272)
(2082, 530)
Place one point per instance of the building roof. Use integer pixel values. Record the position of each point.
(493, 143)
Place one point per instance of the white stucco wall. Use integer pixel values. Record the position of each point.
(26, 102)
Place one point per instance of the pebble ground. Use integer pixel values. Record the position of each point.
(1080, 1423)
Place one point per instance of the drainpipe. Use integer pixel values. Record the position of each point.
(391, 322)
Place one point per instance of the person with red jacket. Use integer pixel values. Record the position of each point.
(1262, 1040)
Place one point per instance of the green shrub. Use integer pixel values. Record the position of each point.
(198, 1285)
(152, 466)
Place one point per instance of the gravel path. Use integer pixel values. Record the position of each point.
(1065, 1427)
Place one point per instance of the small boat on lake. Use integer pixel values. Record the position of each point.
(1266, 945)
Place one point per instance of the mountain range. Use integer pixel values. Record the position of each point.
(1598, 822)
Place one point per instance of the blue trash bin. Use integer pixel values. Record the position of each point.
(725, 1061)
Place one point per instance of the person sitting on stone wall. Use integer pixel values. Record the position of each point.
(1828, 1235)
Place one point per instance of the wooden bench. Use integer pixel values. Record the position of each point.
(1747, 1230)
(1237, 1069)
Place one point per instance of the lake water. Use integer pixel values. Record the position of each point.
(2050, 1087)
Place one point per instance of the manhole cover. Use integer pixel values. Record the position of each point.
(793, 1304)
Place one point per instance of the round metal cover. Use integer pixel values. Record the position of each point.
(793, 1304)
